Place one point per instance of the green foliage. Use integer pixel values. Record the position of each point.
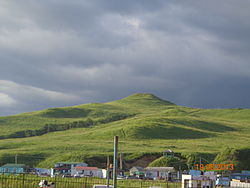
(165, 161)
(65, 112)
(66, 126)
(144, 123)
(196, 158)
(131, 157)
(239, 157)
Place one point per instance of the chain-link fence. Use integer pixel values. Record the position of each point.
(31, 181)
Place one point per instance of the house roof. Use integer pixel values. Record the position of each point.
(160, 169)
(85, 168)
(69, 162)
(168, 151)
(61, 168)
(12, 165)
(137, 168)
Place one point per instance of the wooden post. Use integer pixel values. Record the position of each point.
(115, 164)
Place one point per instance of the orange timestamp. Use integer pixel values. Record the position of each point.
(215, 167)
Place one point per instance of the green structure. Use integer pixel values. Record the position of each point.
(11, 168)
(168, 153)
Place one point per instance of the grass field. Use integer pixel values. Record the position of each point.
(143, 122)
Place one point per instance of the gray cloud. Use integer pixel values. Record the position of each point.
(57, 53)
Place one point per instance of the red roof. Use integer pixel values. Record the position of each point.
(85, 168)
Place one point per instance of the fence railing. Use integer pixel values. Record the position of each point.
(32, 181)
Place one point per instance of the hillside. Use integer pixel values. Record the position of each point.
(144, 123)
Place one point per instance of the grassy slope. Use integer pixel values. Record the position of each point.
(152, 125)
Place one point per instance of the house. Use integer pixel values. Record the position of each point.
(64, 168)
(243, 176)
(167, 173)
(239, 184)
(81, 171)
(137, 172)
(11, 168)
(190, 181)
(199, 181)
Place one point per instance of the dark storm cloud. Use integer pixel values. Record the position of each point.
(57, 53)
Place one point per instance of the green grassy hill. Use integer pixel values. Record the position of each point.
(143, 122)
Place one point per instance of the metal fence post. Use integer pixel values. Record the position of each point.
(23, 180)
(55, 182)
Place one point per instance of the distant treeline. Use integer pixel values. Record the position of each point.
(66, 126)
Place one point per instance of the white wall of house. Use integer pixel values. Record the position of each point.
(239, 184)
(196, 181)
(104, 173)
(158, 174)
(90, 173)
(43, 171)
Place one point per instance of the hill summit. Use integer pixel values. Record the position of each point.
(146, 99)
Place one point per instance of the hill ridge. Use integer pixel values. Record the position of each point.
(143, 99)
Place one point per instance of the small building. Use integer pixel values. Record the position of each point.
(168, 153)
(245, 171)
(80, 171)
(198, 181)
(137, 171)
(11, 168)
(64, 168)
(168, 173)
(240, 176)
(239, 184)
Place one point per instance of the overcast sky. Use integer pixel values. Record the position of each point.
(61, 52)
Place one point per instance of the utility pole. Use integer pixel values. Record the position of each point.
(115, 164)
(108, 164)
